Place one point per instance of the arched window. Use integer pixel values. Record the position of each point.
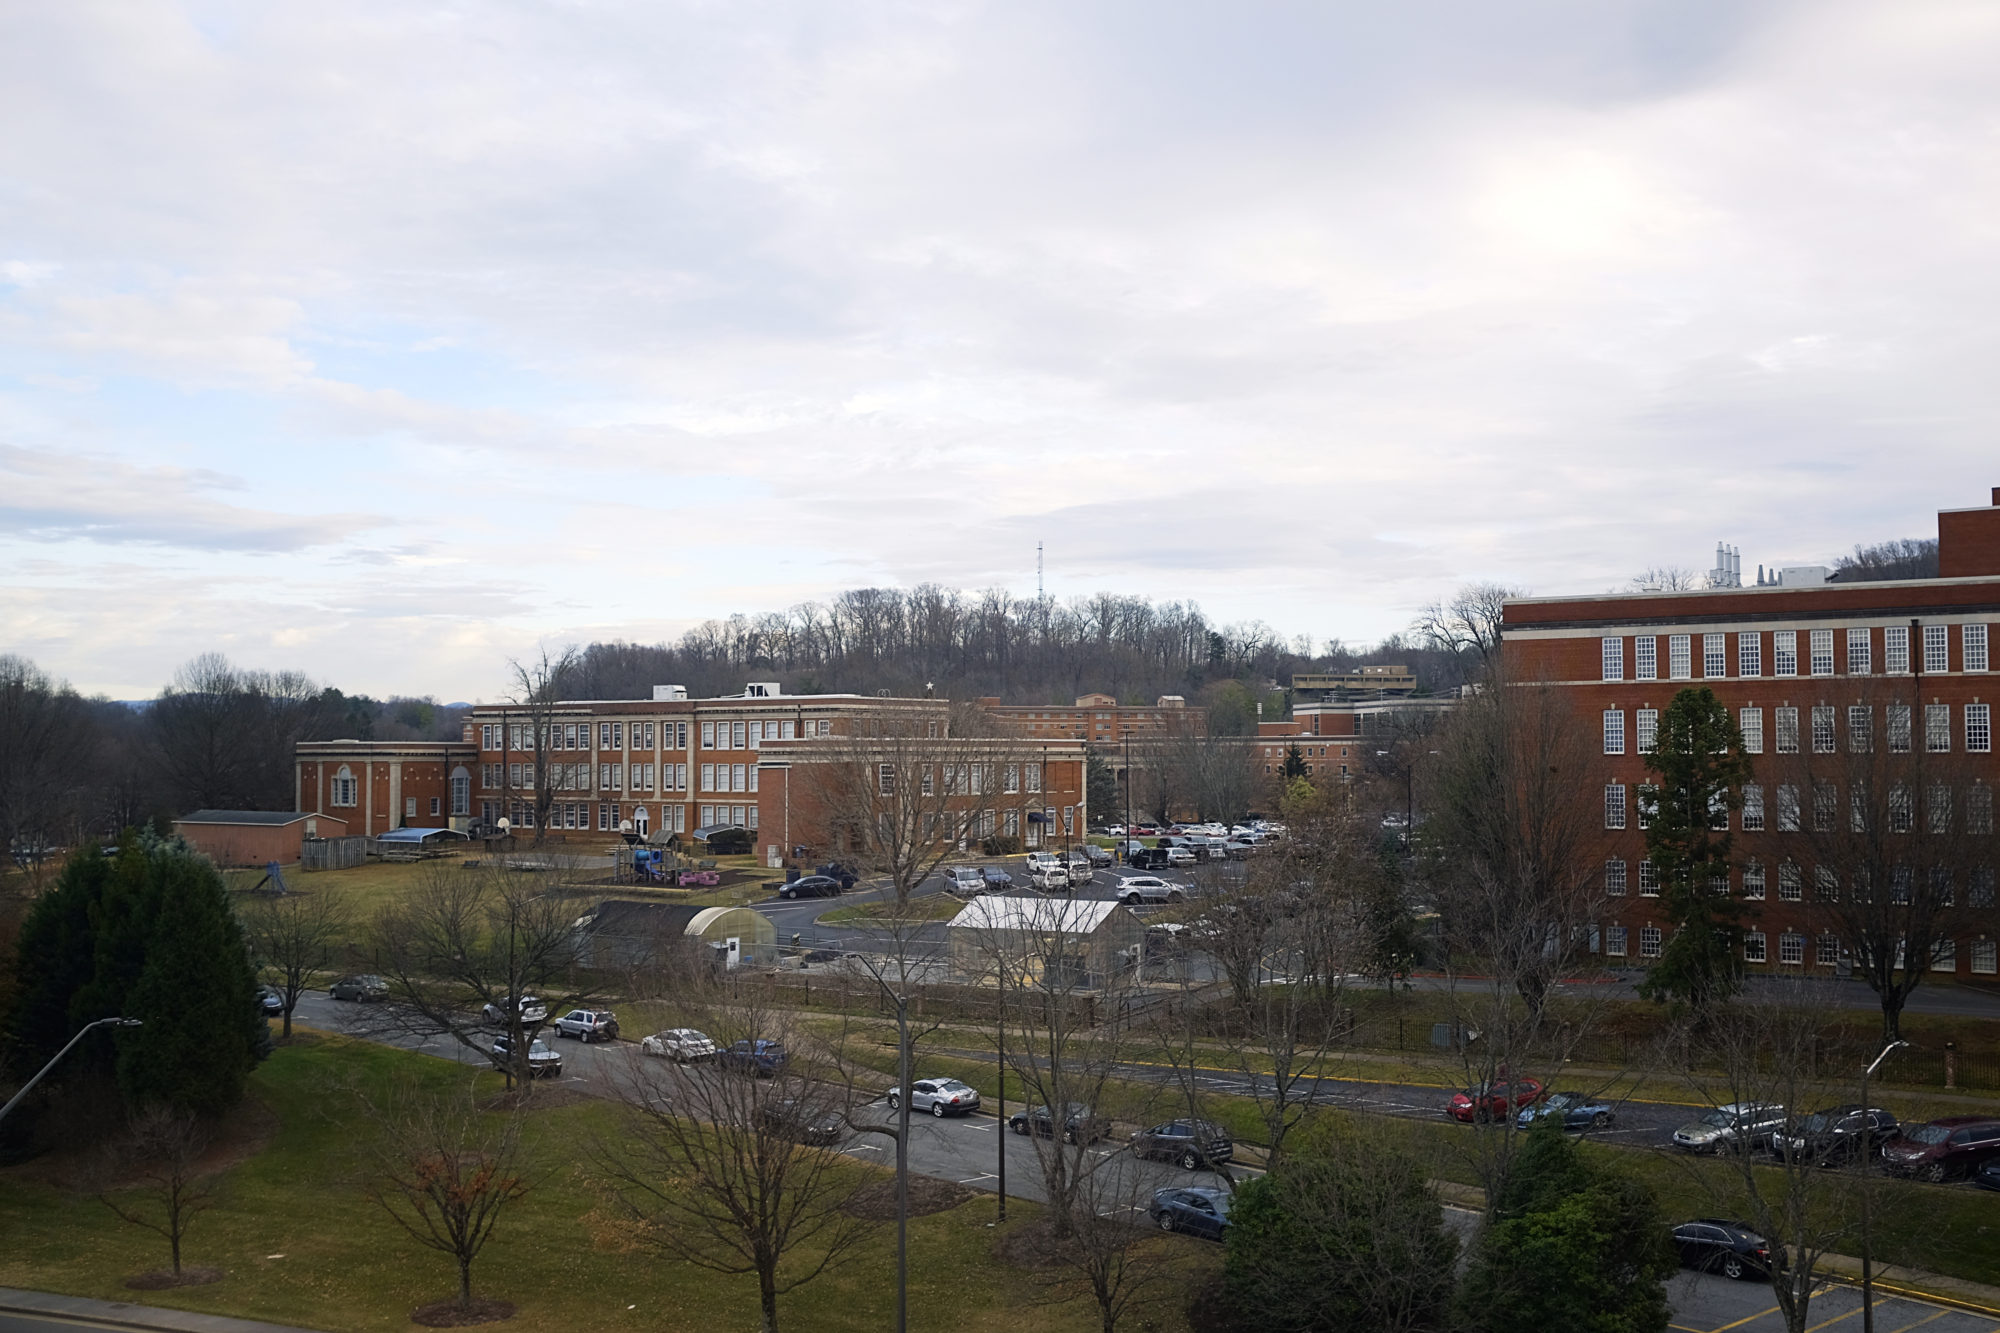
(639, 820)
(345, 790)
(461, 791)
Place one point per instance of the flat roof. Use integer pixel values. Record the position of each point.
(268, 818)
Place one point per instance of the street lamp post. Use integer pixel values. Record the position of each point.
(1867, 1147)
(15, 1100)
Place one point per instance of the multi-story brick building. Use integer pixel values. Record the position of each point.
(1100, 719)
(1802, 669)
(376, 786)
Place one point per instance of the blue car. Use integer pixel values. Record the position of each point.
(757, 1057)
(1577, 1111)
(1199, 1211)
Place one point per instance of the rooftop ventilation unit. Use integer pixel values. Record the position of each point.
(762, 689)
(669, 694)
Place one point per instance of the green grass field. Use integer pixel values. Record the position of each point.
(302, 1244)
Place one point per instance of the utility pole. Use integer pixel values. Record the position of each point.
(1867, 1150)
(15, 1100)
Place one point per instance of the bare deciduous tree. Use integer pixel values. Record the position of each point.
(294, 935)
(538, 685)
(713, 1166)
(469, 941)
(1467, 625)
(163, 1151)
(446, 1171)
(44, 742)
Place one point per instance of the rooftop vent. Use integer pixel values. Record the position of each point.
(762, 689)
(669, 693)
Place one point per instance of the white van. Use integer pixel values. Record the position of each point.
(1049, 876)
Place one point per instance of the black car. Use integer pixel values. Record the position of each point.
(997, 880)
(812, 886)
(788, 1118)
(1191, 1143)
(1728, 1248)
(1199, 1212)
(1147, 858)
(756, 1056)
(1837, 1134)
(1988, 1177)
(1079, 1123)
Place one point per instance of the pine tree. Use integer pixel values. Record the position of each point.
(1700, 762)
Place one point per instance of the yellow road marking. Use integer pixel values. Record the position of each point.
(1836, 1319)
(1921, 1322)
(1747, 1319)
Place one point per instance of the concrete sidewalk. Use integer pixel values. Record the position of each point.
(123, 1314)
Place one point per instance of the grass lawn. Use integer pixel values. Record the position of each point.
(302, 1244)
(930, 907)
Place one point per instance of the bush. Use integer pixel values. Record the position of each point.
(1001, 844)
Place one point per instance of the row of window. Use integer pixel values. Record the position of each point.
(344, 790)
(745, 735)
(1827, 887)
(967, 779)
(1819, 660)
(1937, 806)
(1825, 727)
(1984, 953)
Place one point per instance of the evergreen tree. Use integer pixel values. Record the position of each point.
(1573, 1244)
(146, 934)
(1295, 762)
(1699, 760)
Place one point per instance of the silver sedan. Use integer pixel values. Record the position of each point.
(940, 1096)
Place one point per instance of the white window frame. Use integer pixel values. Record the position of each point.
(1647, 731)
(1612, 657)
(1937, 728)
(1787, 738)
(1645, 657)
(1753, 807)
(1649, 879)
(1614, 731)
(1823, 723)
(1937, 649)
(1791, 949)
(1680, 652)
(1614, 805)
(1714, 656)
(1753, 881)
(1614, 878)
(1784, 652)
(1750, 721)
(1972, 646)
(1979, 728)
(1819, 643)
(1650, 940)
(1896, 650)
(1860, 728)
(1860, 651)
(1753, 946)
(1899, 728)
(1985, 957)
(1750, 654)
(1614, 941)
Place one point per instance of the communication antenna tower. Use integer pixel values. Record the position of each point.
(1039, 594)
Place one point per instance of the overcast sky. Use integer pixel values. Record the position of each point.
(388, 339)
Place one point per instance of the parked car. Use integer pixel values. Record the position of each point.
(588, 1025)
(1944, 1149)
(1049, 878)
(1079, 1123)
(1165, 939)
(789, 1118)
(940, 1096)
(997, 879)
(542, 1062)
(366, 989)
(811, 886)
(1197, 1211)
(840, 871)
(1146, 858)
(1178, 855)
(1988, 1177)
(1493, 1101)
(966, 880)
(1041, 860)
(1737, 1125)
(270, 1000)
(1135, 889)
(1144, 830)
(755, 1056)
(1838, 1134)
(1114, 830)
(1238, 850)
(531, 1007)
(1081, 868)
(682, 1044)
(1097, 856)
(1576, 1110)
(1729, 1248)
(1193, 1144)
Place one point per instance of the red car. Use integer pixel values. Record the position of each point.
(1493, 1101)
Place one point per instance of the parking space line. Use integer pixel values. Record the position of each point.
(1747, 1319)
(1938, 1314)
(1683, 1328)
(1836, 1319)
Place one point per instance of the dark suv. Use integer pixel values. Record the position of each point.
(758, 1057)
(1838, 1134)
(1192, 1143)
(1944, 1149)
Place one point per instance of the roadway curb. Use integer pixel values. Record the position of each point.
(123, 1314)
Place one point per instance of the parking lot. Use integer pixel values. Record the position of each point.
(1716, 1305)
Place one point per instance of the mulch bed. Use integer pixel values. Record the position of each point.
(877, 1202)
(1033, 1246)
(447, 1314)
(162, 1278)
(545, 1098)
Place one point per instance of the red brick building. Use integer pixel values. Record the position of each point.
(377, 786)
(255, 837)
(1797, 667)
(1101, 720)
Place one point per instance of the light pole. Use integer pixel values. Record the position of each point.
(15, 1100)
(1867, 1149)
